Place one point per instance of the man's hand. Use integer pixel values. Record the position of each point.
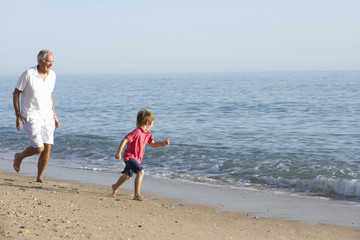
(57, 122)
(19, 119)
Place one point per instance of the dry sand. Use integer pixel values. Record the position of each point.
(72, 210)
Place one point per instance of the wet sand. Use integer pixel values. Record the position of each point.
(67, 209)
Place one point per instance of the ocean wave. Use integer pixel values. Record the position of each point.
(347, 188)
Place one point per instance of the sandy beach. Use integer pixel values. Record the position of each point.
(75, 210)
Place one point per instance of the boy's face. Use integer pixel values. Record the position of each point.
(149, 125)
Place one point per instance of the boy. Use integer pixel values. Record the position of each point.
(136, 142)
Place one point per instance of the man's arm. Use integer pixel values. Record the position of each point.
(57, 122)
(16, 103)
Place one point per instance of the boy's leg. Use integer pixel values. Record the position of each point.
(137, 186)
(120, 182)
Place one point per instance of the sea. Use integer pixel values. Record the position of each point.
(295, 132)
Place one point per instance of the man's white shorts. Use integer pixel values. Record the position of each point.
(40, 131)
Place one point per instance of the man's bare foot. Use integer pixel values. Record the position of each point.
(139, 198)
(40, 180)
(114, 190)
(17, 163)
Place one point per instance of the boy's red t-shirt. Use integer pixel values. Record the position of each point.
(135, 146)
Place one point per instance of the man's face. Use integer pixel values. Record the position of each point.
(45, 65)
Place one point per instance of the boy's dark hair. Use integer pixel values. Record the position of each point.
(144, 116)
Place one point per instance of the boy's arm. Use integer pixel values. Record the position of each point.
(121, 146)
(160, 144)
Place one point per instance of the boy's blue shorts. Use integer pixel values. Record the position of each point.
(132, 166)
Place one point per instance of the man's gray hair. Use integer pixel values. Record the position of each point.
(42, 54)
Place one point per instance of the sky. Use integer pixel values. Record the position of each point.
(175, 36)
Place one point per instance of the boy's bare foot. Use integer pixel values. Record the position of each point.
(40, 180)
(114, 190)
(17, 163)
(139, 198)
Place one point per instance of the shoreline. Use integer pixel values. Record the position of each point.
(71, 209)
(261, 203)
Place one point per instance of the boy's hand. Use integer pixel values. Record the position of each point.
(117, 156)
(166, 142)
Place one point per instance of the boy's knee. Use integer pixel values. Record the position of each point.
(140, 173)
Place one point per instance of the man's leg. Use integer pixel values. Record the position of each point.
(137, 186)
(43, 161)
(32, 128)
(26, 153)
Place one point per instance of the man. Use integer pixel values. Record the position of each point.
(37, 113)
